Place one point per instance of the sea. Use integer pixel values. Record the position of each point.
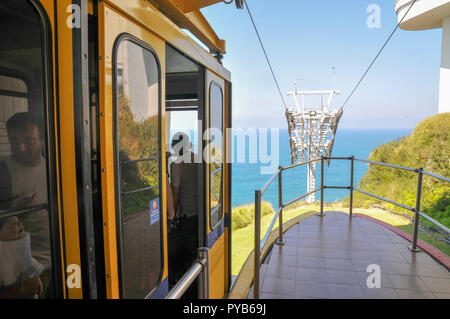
(250, 174)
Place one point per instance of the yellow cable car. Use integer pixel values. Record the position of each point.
(91, 94)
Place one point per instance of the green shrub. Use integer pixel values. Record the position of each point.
(243, 216)
(427, 147)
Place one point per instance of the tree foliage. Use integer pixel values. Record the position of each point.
(428, 147)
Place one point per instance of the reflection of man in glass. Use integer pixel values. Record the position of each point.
(184, 175)
(24, 181)
(184, 181)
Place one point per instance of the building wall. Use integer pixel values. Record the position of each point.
(444, 86)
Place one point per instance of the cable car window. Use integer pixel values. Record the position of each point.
(216, 154)
(25, 248)
(139, 178)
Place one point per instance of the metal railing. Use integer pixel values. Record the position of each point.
(200, 269)
(259, 245)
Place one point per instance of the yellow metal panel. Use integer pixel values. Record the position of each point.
(152, 19)
(200, 27)
(191, 5)
(192, 20)
(217, 269)
(111, 24)
(91, 7)
(67, 141)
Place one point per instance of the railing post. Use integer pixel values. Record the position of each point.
(203, 257)
(417, 210)
(322, 186)
(257, 244)
(352, 166)
(280, 240)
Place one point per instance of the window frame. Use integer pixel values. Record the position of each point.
(117, 165)
(220, 204)
(50, 109)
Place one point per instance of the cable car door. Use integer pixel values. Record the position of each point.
(131, 70)
(216, 169)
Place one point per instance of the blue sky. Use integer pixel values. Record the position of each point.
(304, 39)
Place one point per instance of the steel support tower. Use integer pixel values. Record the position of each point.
(312, 131)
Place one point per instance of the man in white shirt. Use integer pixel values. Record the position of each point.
(24, 182)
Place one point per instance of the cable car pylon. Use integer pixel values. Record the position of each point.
(312, 130)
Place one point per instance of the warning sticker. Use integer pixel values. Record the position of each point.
(154, 211)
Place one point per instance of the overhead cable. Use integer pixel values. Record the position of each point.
(265, 53)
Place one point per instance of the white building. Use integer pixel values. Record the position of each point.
(431, 14)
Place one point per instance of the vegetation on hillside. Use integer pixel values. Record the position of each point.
(138, 139)
(428, 147)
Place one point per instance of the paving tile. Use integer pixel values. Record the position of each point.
(290, 242)
(397, 268)
(279, 286)
(310, 252)
(338, 291)
(342, 277)
(314, 243)
(396, 239)
(338, 264)
(305, 289)
(336, 253)
(355, 237)
(439, 285)
(378, 239)
(267, 295)
(385, 282)
(357, 245)
(309, 274)
(361, 265)
(430, 270)
(284, 250)
(408, 282)
(311, 262)
(380, 293)
(416, 258)
(414, 294)
(284, 260)
(383, 247)
(441, 296)
(328, 257)
(279, 271)
(359, 254)
(390, 256)
(291, 233)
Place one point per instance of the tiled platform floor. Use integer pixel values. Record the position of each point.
(327, 257)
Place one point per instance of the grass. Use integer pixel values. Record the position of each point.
(243, 237)
(433, 242)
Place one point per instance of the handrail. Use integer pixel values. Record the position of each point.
(300, 197)
(269, 182)
(437, 176)
(387, 164)
(259, 245)
(386, 200)
(263, 242)
(299, 164)
(200, 267)
(434, 222)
